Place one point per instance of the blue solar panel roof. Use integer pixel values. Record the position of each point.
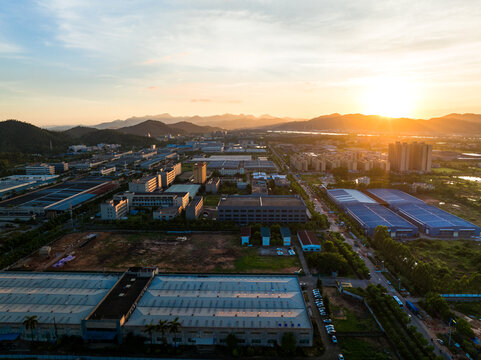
(433, 217)
(372, 215)
(394, 196)
(350, 196)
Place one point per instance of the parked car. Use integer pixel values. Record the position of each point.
(327, 321)
(334, 339)
(340, 357)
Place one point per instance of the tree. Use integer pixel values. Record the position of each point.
(150, 329)
(231, 341)
(463, 327)
(162, 327)
(288, 343)
(174, 327)
(30, 323)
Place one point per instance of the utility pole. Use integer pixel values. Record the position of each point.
(399, 284)
(451, 321)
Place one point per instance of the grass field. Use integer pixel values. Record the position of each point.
(468, 308)
(199, 252)
(365, 348)
(211, 200)
(444, 170)
(461, 257)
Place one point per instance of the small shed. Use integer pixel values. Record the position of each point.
(266, 236)
(308, 241)
(245, 235)
(45, 251)
(286, 236)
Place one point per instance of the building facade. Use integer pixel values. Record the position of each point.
(200, 172)
(114, 209)
(194, 209)
(145, 184)
(40, 169)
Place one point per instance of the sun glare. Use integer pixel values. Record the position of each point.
(389, 97)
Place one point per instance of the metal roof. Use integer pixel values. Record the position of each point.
(349, 196)
(223, 301)
(394, 197)
(63, 298)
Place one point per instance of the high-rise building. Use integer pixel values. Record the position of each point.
(405, 157)
(200, 172)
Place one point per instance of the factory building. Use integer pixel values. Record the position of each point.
(259, 309)
(145, 184)
(167, 213)
(212, 186)
(114, 209)
(308, 240)
(244, 209)
(194, 209)
(40, 169)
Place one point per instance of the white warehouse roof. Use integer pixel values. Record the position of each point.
(223, 301)
(67, 297)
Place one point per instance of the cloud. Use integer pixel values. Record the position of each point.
(200, 100)
(153, 88)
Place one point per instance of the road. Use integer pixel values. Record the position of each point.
(377, 277)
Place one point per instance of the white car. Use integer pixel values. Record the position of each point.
(340, 357)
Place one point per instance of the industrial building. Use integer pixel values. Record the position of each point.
(58, 198)
(16, 183)
(154, 199)
(429, 219)
(200, 172)
(369, 214)
(244, 209)
(40, 169)
(259, 309)
(308, 240)
(194, 209)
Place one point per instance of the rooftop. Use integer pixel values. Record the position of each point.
(265, 231)
(63, 298)
(245, 231)
(262, 200)
(192, 189)
(285, 232)
(223, 301)
(307, 237)
(394, 196)
(346, 196)
(372, 215)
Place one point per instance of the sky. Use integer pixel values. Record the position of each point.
(84, 62)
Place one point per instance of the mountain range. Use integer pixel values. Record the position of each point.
(447, 125)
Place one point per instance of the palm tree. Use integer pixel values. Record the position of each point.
(150, 329)
(162, 327)
(174, 327)
(30, 323)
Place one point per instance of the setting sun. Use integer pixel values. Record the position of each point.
(389, 97)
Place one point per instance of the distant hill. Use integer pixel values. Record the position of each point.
(225, 121)
(378, 124)
(158, 128)
(18, 136)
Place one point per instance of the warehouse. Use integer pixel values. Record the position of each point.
(369, 214)
(58, 198)
(244, 209)
(308, 241)
(429, 219)
(259, 310)
(59, 300)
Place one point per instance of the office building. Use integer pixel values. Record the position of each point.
(167, 176)
(60, 167)
(155, 199)
(114, 209)
(194, 209)
(200, 172)
(145, 184)
(244, 209)
(40, 169)
(212, 186)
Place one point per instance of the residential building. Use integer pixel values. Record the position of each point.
(40, 169)
(194, 209)
(244, 209)
(308, 241)
(200, 172)
(167, 213)
(266, 236)
(405, 157)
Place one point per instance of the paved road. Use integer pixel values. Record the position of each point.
(376, 276)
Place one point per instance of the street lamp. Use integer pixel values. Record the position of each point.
(453, 322)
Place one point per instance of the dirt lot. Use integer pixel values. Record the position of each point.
(200, 252)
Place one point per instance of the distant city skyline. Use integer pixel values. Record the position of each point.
(84, 62)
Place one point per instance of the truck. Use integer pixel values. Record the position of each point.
(412, 307)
